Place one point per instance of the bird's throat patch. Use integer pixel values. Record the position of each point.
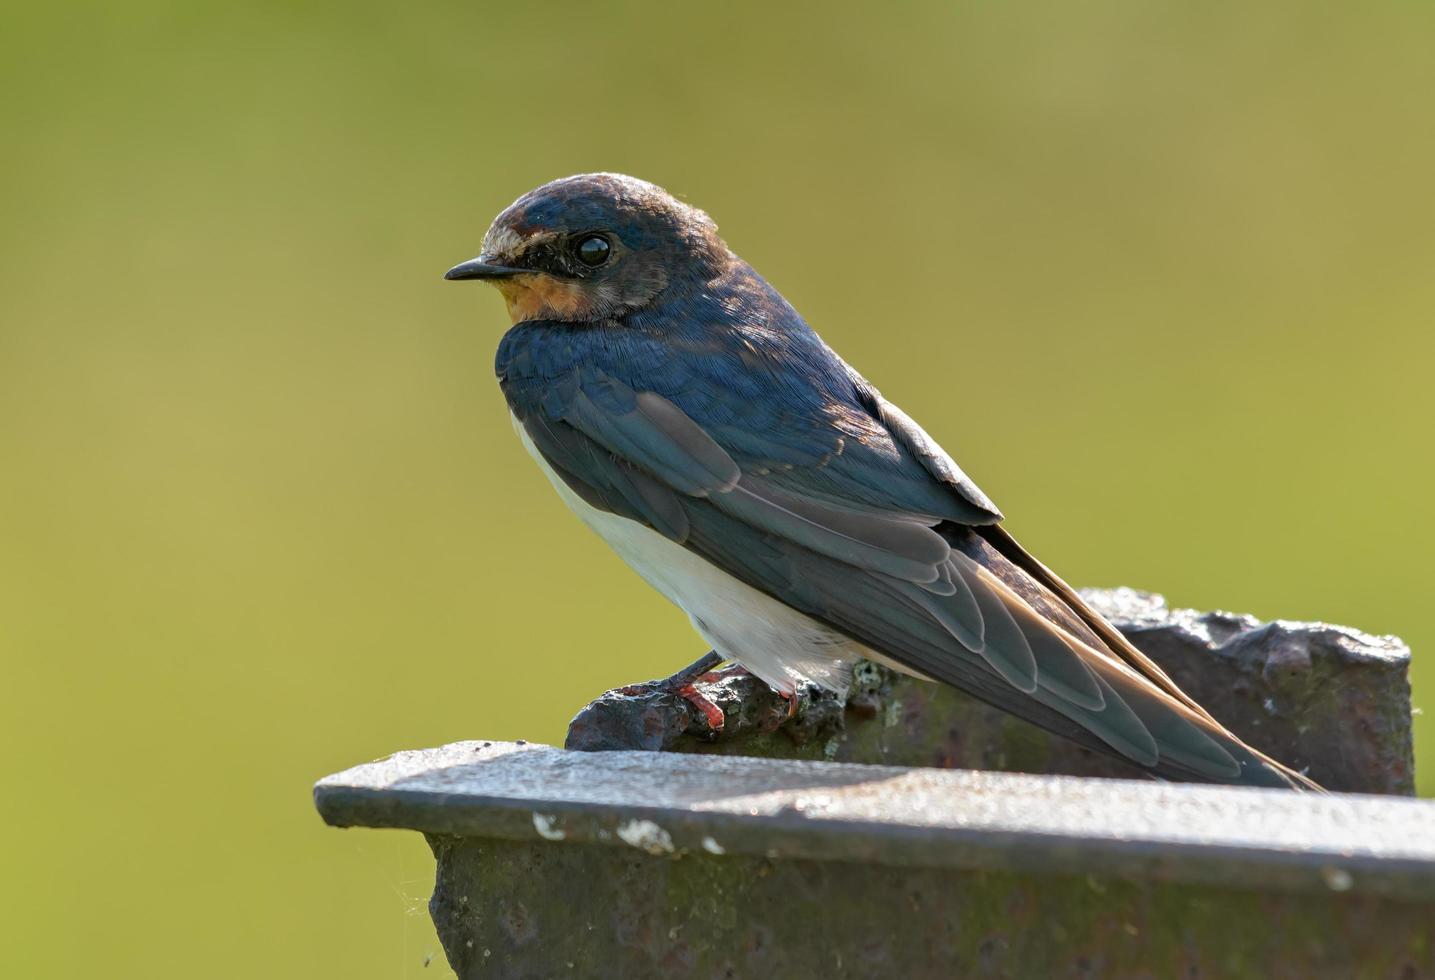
(542, 297)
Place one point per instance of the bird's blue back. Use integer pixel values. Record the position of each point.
(743, 364)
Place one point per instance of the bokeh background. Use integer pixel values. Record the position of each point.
(1158, 275)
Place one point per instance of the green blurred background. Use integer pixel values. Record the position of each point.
(1158, 275)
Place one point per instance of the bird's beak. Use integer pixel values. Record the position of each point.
(479, 269)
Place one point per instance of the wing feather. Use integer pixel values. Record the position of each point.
(936, 587)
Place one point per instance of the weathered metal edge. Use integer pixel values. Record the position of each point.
(353, 798)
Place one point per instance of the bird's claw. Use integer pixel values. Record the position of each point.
(711, 713)
(791, 697)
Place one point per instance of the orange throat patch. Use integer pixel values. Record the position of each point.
(537, 296)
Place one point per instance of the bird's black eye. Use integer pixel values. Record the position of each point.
(593, 251)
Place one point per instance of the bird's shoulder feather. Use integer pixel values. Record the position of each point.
(780, 404)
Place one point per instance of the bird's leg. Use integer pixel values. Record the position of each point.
(696, 669)
(682, 684)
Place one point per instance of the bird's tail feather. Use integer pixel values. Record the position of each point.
(1083, 668)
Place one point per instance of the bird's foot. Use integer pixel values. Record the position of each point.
(684, 685)
(792, 698)
(711, 713)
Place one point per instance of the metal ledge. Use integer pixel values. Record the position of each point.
(675, 805)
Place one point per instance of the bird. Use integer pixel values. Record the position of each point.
(687, 414)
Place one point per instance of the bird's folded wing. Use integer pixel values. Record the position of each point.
(921, 588)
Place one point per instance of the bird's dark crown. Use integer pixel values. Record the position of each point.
(595, 246)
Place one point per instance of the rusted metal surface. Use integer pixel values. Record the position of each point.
(1327, 699)
(632, 864)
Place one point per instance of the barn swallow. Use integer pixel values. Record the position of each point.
(687, 414)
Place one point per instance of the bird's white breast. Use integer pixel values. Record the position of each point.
(777, 643)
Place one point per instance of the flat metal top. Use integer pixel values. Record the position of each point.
(672, 804)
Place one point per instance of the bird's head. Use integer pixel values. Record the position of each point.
(594, 246)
